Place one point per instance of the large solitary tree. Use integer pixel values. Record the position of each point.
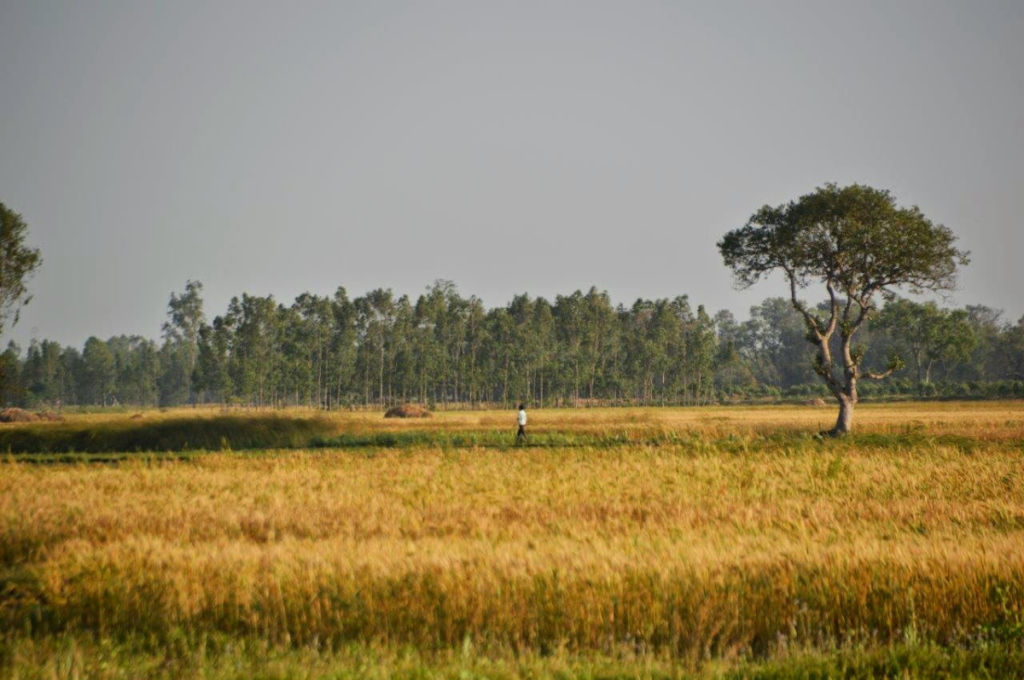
(858, 244)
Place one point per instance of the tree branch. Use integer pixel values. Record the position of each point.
(878, 376)
(834, 318)
(812, 323)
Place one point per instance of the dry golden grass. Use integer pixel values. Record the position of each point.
(970, 417)
(695, 551)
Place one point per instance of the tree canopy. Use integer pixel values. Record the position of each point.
(17, 264)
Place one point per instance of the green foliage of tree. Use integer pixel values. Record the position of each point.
(137, 370)
(1011, 350)
(210, 378)
(44, 374)
(984, 363)
(12, 386)
(180, 350)
(99, 372)
(858, 244)
(928, 334)
(17, 264)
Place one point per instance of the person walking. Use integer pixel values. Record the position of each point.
(521, 434)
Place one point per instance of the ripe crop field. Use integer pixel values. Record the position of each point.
(710, 542)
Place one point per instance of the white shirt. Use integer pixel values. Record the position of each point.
(522, 417)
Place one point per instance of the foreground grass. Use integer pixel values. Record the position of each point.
(69, 657)
(698, 545)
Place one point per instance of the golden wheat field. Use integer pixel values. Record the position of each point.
(714, 542)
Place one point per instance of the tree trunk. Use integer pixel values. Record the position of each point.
(845, 421)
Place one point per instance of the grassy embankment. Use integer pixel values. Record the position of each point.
(641, 543)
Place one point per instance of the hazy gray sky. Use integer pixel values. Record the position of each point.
(517, 146)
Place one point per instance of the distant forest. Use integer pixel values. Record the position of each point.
(446, 350)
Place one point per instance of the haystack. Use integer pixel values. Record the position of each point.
(407, 411)
(817, 402)
(17, 415)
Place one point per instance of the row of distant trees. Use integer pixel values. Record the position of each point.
(445, 349)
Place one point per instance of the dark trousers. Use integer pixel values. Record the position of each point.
(521, 434)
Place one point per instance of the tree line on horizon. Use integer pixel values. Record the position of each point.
(447, 350)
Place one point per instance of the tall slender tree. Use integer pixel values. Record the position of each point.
(99, 372)
(185, 318)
